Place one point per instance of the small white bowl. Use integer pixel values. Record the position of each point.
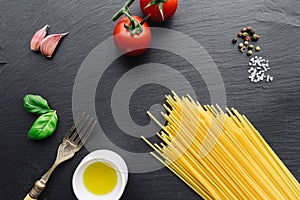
(107, 156)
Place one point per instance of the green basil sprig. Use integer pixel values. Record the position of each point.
(36, 104)
(45, 124)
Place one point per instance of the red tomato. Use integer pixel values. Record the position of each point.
(168, 8)
(131, 44)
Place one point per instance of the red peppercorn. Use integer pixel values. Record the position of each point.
(240, 34)
(247, 38)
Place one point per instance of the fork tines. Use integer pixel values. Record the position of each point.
(81, 130)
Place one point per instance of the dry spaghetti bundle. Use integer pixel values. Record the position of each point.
(220, 155)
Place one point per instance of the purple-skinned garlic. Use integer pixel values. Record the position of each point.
(38, 37)
(49, 44)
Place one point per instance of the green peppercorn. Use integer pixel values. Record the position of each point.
(257, 48)
(249, 53)
(255, 37)
(250, 47)
(244, 30)
(245, 34)
(234, 40)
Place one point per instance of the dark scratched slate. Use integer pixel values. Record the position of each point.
(273, 108)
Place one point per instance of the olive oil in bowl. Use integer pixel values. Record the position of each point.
(101, 175)
(100, 178)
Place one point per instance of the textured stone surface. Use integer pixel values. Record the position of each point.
(272, 107)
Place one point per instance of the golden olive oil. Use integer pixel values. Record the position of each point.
(100, 178)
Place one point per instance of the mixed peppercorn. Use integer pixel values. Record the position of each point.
(247, 34)
(259, 67)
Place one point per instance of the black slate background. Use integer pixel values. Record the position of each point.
(273, 108)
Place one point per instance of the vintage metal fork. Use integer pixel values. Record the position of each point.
(72, 142)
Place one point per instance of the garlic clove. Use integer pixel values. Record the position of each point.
(49, 44)
(38, 37)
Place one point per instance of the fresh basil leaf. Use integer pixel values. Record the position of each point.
(36, 104)
(44, 126)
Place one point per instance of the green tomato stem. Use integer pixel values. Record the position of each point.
(159, 3)
(135, 27)
(121, 11)
(145, 18)
(132, 21)
(154, 2)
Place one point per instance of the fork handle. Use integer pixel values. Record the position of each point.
(28, 197)
(39, 186)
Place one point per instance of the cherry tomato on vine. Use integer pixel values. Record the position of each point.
(132, 40)
(159, 10)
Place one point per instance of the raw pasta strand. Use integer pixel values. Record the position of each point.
(220, 155)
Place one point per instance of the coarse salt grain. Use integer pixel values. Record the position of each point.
(258, 69)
